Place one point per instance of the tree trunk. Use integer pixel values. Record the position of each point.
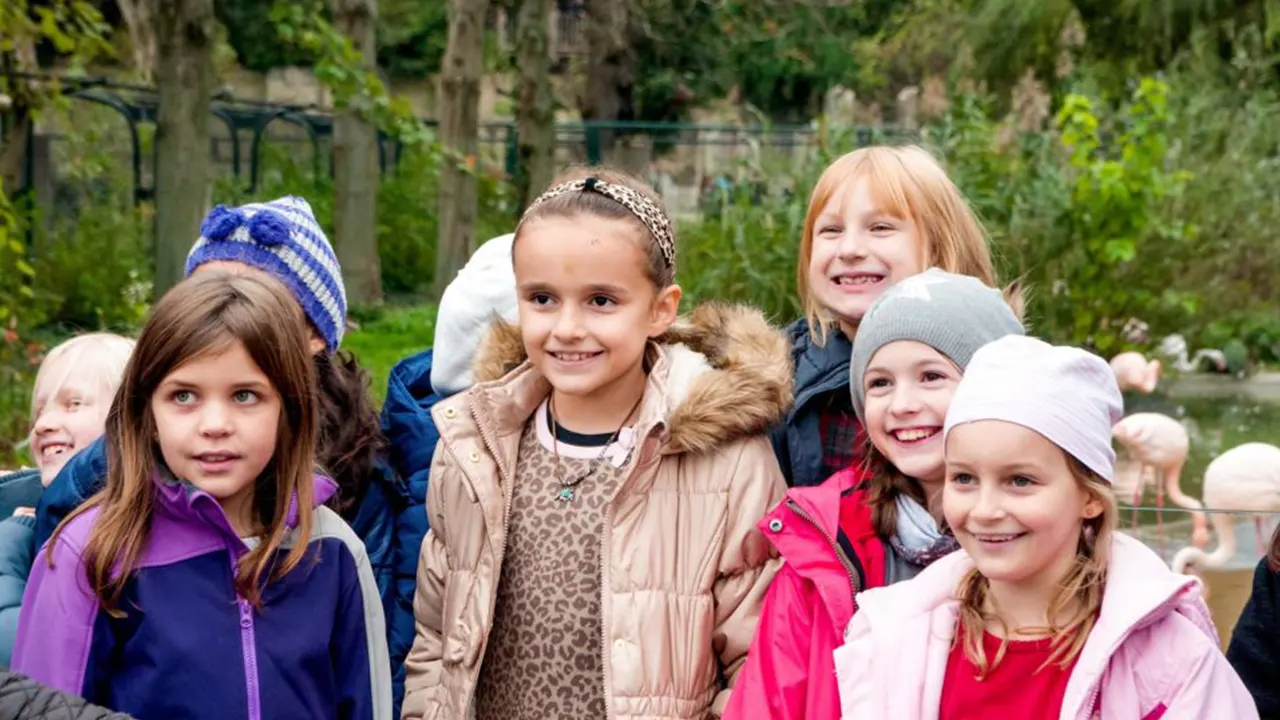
(459, 127)
(355, 167)
(139, 17)
(13, 154)
(610, 67)
(535, 115)
(22, 104)
(184, 79)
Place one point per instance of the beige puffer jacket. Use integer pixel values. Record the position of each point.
(687, 570)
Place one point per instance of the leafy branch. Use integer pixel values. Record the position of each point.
(339, 65)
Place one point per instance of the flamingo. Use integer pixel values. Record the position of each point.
(1161, 443)
(1175, 348)
(1246, 480)
(1134, 372)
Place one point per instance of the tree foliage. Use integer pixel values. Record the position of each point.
(33, 33)
(411, 35)
(996, 41)
(781, 55)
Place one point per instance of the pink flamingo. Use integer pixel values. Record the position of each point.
(1244, 480)
(1161, 443)
(1134, 372)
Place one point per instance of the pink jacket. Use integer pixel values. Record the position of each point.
(789, 674)
(1152, 654)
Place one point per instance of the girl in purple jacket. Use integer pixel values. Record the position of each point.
(207, 580)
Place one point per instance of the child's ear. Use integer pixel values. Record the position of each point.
(666, 306)
(1092, 508)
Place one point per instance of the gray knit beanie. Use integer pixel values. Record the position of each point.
(953, 314)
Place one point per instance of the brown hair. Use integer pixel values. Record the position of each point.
(1273, 555)
(885, 484)
(906, 182)
(658, 270)
(202, 315)
(351, 439)
(1079, 596)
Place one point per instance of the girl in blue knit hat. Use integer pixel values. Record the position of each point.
(282, 240)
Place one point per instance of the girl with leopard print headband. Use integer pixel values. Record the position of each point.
(593, 550)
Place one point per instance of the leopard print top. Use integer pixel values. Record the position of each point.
(544, 658)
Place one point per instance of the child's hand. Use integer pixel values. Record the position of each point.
(24, 512)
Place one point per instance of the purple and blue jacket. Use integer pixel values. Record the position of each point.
(188, 646)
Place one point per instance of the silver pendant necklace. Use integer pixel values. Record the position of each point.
(567, 489)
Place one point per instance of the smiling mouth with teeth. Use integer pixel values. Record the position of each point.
(997, 538)
(54, 450)
(914, 434)
(574, 356)
(858, 280)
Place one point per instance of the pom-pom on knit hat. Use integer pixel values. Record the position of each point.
(1066, 394)
(953, 314)
(283, 239)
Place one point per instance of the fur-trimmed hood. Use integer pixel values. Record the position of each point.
(728, 373)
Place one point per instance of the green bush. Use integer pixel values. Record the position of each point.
(19, 356)
(1092, 224)
(94, 270)
(746, 253)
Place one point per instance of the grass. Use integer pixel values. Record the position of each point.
(388, 335)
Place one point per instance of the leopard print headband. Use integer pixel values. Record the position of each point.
(646, 211)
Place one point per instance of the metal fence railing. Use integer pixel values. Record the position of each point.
(682, 160)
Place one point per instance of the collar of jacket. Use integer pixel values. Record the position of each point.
(719, 375)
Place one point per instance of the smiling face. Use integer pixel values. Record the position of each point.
(1014, 504)
(70, 412)
(217, 418)
(859, 250)
(587, 308)
(908, 388)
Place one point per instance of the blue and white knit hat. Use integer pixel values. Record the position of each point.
(283, 239)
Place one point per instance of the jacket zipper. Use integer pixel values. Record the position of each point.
(248, 648)
(1095, 690)
(855, 576)
(605, 662)
(492, 446)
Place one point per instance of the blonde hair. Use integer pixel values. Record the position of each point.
(100, 356)
(906, 182)
(1079, 596)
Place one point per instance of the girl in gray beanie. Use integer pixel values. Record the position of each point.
(868, 527)
(911, 351)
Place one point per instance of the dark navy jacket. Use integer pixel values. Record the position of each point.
(412, 436)
(189, 646)
(1254, 652)
(820, 370)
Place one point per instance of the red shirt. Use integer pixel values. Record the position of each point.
(1013, 690)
